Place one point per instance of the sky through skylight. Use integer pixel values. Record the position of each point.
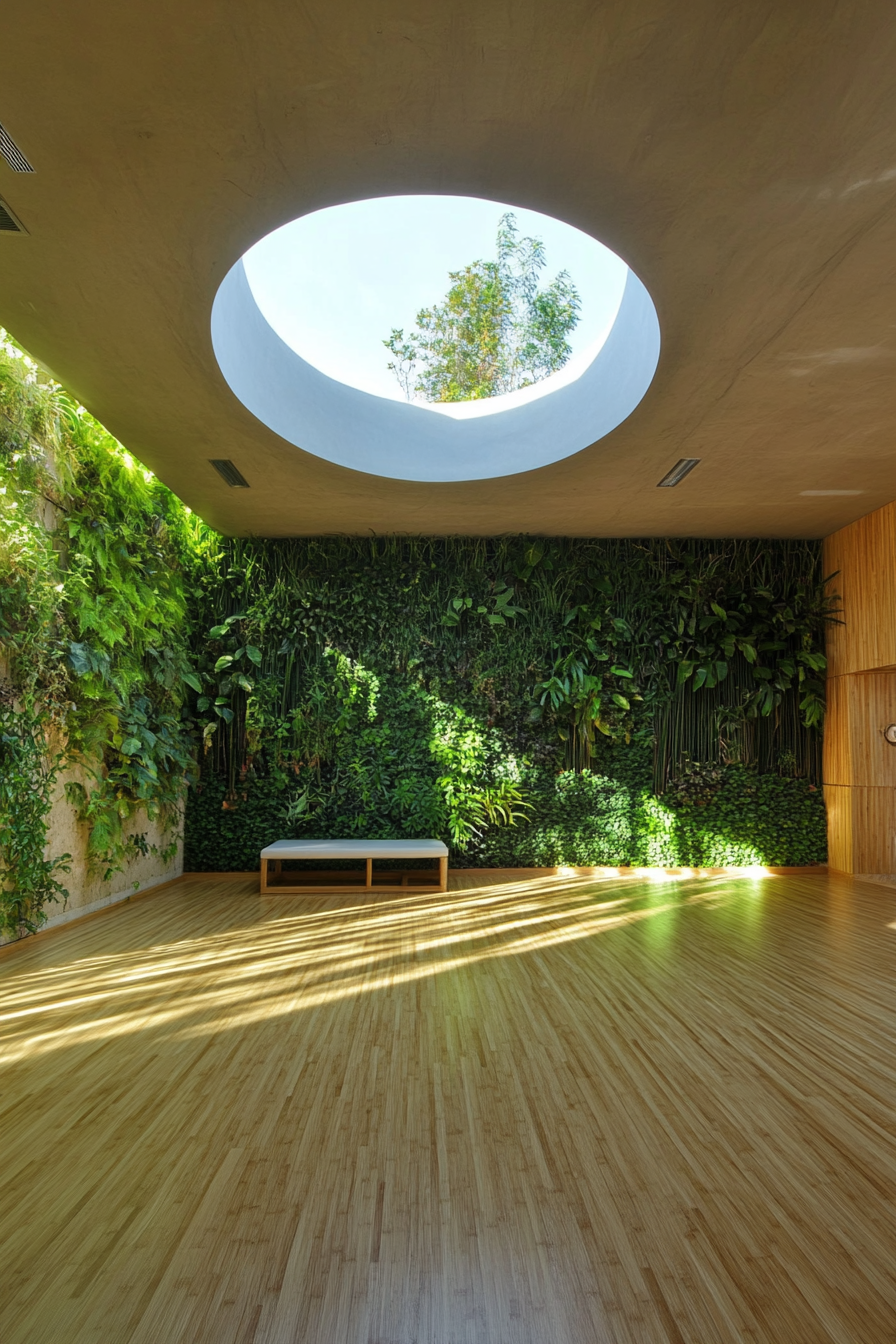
(333, 284)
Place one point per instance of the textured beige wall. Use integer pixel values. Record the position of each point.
(87, 889)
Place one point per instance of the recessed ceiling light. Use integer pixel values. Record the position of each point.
(832, 492)
(231, 474)
(678, 472)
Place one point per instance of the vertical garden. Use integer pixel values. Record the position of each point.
(533, 701)
(95, 641)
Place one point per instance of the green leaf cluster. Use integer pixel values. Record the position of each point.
(383, 699)
(495, 332)
(28, 771)
(95, 658)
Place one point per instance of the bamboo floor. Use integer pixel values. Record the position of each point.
(543, 1110)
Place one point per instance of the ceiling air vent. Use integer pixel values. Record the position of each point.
(12, 154)
(8, 221)
(224, 467)
(678, 472)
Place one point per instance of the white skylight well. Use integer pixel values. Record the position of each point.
(528, 339)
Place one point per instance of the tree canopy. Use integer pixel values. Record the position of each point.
(496, 331)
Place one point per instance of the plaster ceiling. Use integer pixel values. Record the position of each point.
(740, 157)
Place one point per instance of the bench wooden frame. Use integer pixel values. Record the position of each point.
(340, 880)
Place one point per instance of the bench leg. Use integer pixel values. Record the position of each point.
(369, 882)
(264, 877)
(443, 874)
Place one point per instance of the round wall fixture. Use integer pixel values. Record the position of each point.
(284, 364)
(890, 734)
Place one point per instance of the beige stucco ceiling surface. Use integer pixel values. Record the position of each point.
(740, 156)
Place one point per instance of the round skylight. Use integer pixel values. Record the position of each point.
(299, 325)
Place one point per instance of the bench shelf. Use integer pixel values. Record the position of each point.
(274, 881)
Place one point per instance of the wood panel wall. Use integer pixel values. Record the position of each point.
(859, 765)
(865, 555)
(861, 829)
(860, 706)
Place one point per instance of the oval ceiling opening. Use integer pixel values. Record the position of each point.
(514, 340)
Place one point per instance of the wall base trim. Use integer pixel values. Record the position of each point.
(758, 870)
(62, 918)
(881, 879)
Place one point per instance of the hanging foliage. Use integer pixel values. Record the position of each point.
(94, 640)
(557, 654)
(28, 771)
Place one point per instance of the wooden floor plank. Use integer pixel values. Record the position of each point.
(535, 1110)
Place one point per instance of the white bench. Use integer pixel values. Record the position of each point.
(274, 880)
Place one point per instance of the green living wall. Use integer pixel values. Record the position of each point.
(95, 640)
(532, 701)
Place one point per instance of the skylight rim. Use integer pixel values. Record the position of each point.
(590, 258)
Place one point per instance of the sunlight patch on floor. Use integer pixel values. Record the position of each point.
(290, 963)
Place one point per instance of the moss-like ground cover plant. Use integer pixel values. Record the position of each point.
(533, 701)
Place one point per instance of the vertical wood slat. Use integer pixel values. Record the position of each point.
(872, 708)
(874, 830)
(861, 829)
(859, 766)
(838, 802)
(860, 706)
(865, 556)
(837, 767)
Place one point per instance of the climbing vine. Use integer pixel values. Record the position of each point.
(94, 641)
(28, 772)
